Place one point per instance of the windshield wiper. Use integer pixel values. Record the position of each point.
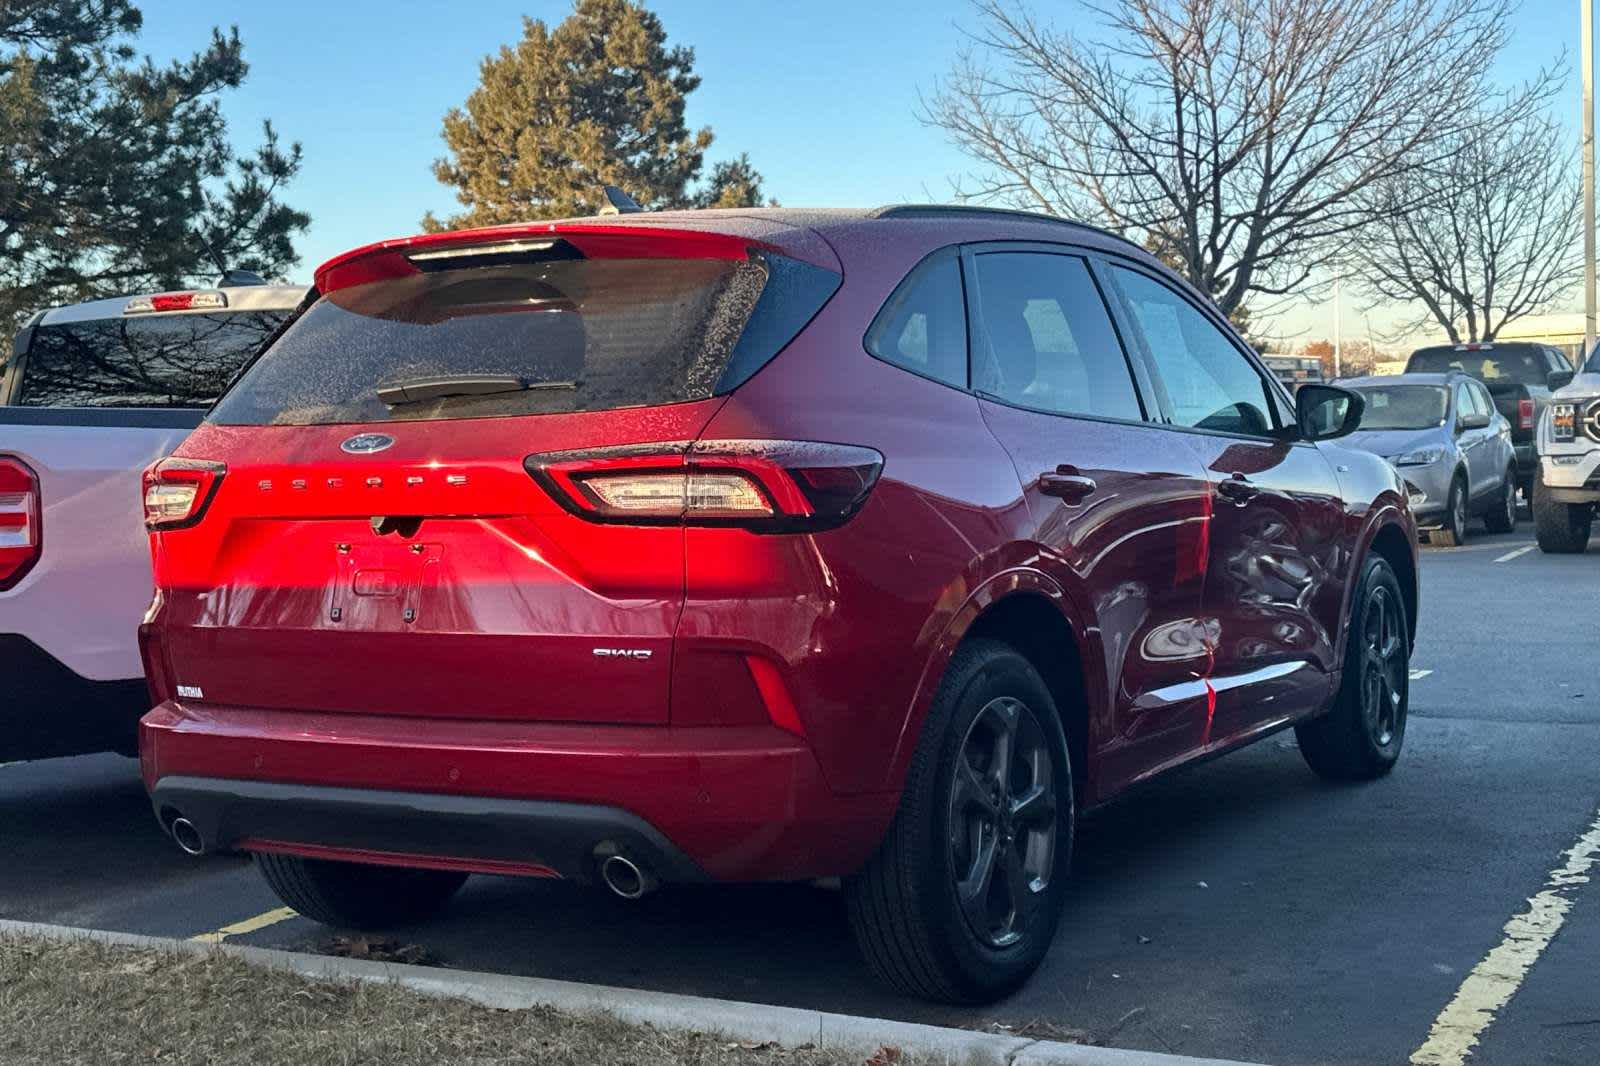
(418, 390)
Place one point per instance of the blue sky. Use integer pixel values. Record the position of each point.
(822, 94)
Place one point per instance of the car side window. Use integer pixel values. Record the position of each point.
(1210, 384)
(923, 326)
(1480, 399)
(1466, 403)
(1048, 342)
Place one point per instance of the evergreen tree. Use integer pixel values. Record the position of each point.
(117, 174)
(596, 101)
(734, 183)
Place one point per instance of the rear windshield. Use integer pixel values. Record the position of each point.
(1404, 407)
(517, 339)
(1501, 365)
(150, 361)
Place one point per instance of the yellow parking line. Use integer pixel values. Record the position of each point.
(1492, 983)
(249, 925)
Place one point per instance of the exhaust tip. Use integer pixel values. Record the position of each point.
(187, 836)
(625, 878)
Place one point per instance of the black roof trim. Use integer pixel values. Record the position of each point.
(979, 210)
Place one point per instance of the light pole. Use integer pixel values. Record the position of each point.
(1586, 25)
(1338, 334)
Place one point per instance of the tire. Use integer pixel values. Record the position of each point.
(355, 896)
(1360, 739)
(1454, 530)
(1561, 528)
(1502, 517)
(905, 904)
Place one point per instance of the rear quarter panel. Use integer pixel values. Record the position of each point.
(852, 617)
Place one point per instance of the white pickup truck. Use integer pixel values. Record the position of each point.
(92, 394)
(1568, 490)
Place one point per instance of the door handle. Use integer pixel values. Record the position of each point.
(1066, 484)
(1238, 488)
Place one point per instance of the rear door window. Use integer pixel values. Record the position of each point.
(515, 339)
(149, 361)
(923, 327)
(1050, 344)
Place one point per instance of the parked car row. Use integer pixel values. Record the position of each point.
(1520, 377)
(750, 545)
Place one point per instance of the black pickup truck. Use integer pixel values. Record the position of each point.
(1520, 375)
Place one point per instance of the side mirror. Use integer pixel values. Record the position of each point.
(1323, 412)
(1559, 379)
(1472, 420)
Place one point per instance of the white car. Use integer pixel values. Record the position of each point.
(91, 394)
(1568, 489)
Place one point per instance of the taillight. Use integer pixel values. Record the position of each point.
(763, 485)
(1525, 414)
(19, 521)
(177, 491)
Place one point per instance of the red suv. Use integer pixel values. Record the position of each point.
(755, 545)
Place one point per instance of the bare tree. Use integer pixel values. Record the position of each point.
(1496, 240)
(1233, 136)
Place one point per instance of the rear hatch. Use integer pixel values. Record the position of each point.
(365, 535)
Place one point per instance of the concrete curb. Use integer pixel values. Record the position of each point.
(788, 1026)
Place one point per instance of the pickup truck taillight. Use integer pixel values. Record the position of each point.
(1525, 414)
(177, 491)
(19, 520)
(766, 486)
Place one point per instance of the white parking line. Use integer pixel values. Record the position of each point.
(1493, 982)
(1510, 555)
(249, 925)
(1418, 675)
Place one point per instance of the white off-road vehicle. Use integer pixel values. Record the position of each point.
(1567, 491)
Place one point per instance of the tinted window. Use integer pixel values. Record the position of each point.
(1521, 364)
(149, 361)
(1050, 342)
(1209, 382)
(923, 327)
(530, 338)
(1404, 406)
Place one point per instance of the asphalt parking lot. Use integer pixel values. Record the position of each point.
(1241, 910)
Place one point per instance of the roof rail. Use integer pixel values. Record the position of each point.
(945, 210)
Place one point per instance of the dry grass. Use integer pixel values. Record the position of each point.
(88, 1003)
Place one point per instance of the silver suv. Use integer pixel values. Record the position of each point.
(1452, 447)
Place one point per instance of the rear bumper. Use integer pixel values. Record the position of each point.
(722, 803)
(47, 710)
(471, 832)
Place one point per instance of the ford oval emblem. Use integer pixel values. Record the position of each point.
(366, 443)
